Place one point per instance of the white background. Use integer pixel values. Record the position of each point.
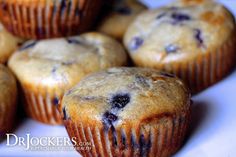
(212, 131)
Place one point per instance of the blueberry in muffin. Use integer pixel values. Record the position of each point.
(117, 20)
(127, 112)
(190, 38)
(47, 68)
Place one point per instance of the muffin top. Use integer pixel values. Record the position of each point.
(8, 44)
(121, 15)
(62, 62)
(8, 88)
(125, 95)
(182, 30)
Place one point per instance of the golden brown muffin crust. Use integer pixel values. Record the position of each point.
(8, 44)
(122, 14)
(59, 63)
(178, 32)
(149, 95)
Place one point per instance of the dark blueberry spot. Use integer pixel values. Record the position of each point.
(161, 15)
(78, 12)
(142, 140)
(167, 74)
(55, 101)
(113, 130)
(28, 45)
(4, 6)
(120, 100)
(63, 6)
(65, 116)
(110, 117)
(142, 80)
(198, 37)
(171, 48)
(149, 143)
(191, 102)
(124, 10)
(136, 43)
(73, 41)
(107, 119)
(41, 33)
(179, 17)
(123, 139)
(54, 69)
(144, 146)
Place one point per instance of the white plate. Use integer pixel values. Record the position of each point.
(212, 130)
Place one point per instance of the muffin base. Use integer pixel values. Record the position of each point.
(208, 68)
(7, 118)
(47, 19)
(40, 105)
(161, 137)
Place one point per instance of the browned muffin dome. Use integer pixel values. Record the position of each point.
(128, 111)
(47, 68)
(193, 39)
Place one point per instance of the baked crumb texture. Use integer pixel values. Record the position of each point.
(193, 39)
(127, 112)
(47, 68)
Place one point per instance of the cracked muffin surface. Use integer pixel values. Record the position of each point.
(128, 112)
(178, 31)
(65, 61)
(130, 94)
(193, 39)
(47, 68)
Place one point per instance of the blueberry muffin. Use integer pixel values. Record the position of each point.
(117, 20)
(193, 39)
(127, 112)
(47, 68)
(39, 19)
(8, 44)
(8, 100)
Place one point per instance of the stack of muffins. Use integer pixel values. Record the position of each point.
(79, 80)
